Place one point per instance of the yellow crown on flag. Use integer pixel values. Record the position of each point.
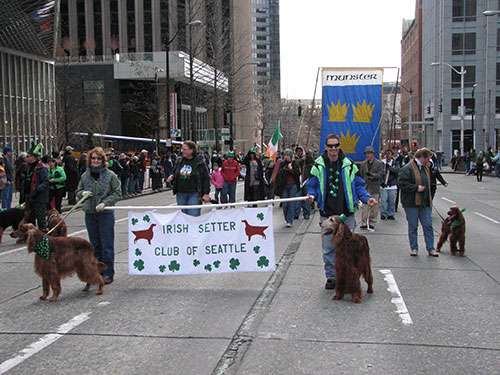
(349, 142)
(363, 112)
(337, 113)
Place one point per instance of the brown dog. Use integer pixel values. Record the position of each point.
(352, 259)
(67, 255)
(54, 219)
(454, 226)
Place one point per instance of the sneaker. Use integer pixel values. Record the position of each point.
(413, 253)
(364, 226)
(330, 283)
(288, 225)
(390, 218)
(433, 253)
(382, 217)
(371, 226)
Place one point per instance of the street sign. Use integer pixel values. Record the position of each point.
(175, 133)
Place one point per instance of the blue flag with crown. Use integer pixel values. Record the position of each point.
(351, 108)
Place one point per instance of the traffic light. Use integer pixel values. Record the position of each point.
(440, 108)
(414, 144)
(429, 110)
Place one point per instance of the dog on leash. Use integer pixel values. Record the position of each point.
(12, 217)
(352, 259)
(453, 226)
(55, 219)
(59, 257)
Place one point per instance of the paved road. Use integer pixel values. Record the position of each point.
(262, 323)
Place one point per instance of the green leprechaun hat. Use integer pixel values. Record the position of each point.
(35, 149)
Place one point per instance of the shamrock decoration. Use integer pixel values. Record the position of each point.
(138, 252)
(260, 216)
(146, 218)
(174, 266)
(134, 221)
(217, 263)
(208, 267)
(234, 263)
(256, 249)
(196, 262)
(139, 264)
(162, 268)
(263, 262)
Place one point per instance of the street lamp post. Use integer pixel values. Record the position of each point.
(487, 87)
(462, 107)
(472, 114)
(410, 110)
(157, 130)
(167, 67)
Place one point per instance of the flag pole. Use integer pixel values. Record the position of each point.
(312, 110)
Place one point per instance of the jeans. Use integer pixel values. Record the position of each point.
(218, 194)
(124, 182)
(141, 181)
(131, 185)
(329, 247)
(189, 199)
(388, 202)
(101, 229)
(424, 214)
(306, 207)
(7, 196)
(289, 191)
(228, 189)
(497, 170)
(369, 214)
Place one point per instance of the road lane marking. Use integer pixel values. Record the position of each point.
(486, 217)
(448, 200)
(69, 235)
(45, 341)
(397, 298)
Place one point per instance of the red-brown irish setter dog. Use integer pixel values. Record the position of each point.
(453, 226)
(352, 259)
(66, 255)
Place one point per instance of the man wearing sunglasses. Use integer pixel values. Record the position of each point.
(337, 187)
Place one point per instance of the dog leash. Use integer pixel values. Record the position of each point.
(85, 196)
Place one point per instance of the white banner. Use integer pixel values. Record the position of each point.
(236, 240)
(352, 77)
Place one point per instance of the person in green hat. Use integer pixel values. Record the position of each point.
(57, 177)
(37, 186)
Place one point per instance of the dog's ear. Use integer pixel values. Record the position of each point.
(342, 233)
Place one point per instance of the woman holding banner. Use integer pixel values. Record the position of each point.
(106, 191)
(190, 179)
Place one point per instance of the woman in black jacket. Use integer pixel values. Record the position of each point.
(190, 179)
(254, 178)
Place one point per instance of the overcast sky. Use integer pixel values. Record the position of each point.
(338, 33)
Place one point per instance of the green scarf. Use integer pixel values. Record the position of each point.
(42, 248)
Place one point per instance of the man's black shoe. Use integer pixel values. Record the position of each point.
(108, 280)
(364, 226)
(390, 218)
(330, 283)
(382, 217)
(372, 227)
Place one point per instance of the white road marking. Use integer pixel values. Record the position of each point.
(69, 235)
(397, 298)
(487, 218)
(45, 341)
(448, 200)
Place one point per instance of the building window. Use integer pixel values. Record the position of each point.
(93, 92)
(498, 74)
(261, 28)
(497, 105)
(262, 56)
(259, 19)
(464, 10)
(463, 44)
(468, 102)
(498, 39)
(469, 79)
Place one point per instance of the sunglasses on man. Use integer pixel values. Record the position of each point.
(331, 145)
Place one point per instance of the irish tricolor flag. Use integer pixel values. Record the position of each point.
(272, 147)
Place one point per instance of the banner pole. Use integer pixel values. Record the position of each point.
(211, 206)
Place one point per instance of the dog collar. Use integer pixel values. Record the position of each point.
(343, 218)
(42, 248)
(50, 217)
